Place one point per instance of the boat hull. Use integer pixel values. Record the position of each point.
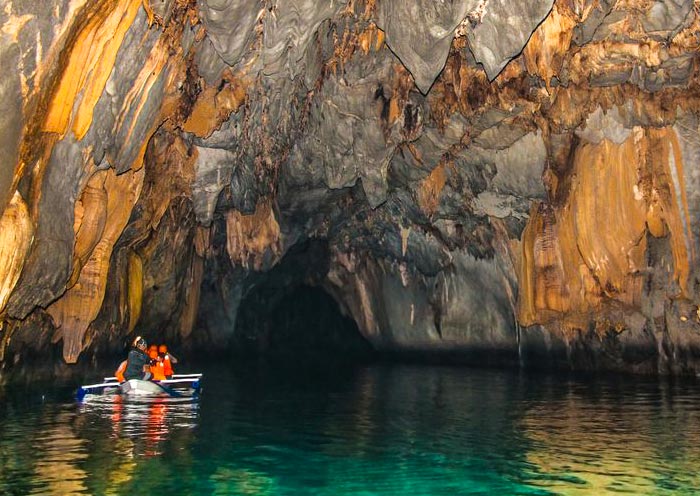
(139, 387)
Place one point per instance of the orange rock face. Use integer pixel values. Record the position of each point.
(590, 252)
(15, 238)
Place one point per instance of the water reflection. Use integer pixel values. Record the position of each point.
(93, 447)
(140, 426)
(364, 430)
(597, 440)
(228, 480)
(61, 450)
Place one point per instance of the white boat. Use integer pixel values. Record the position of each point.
(172, 387)
(189, 386)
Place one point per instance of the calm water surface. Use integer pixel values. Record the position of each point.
(359, 430)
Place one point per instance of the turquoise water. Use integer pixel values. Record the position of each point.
(359, 430)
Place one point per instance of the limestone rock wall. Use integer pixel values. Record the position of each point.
(509, 182)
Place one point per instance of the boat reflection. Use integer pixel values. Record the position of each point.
(145, 423)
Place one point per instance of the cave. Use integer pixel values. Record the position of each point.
(286, 315)
(502, 181)
(302, 320)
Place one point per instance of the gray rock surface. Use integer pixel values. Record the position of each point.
(500, 30)
(420, 33)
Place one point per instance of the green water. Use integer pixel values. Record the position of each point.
(359, 430)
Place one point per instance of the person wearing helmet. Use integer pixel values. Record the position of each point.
(168, 360)
(137, 363)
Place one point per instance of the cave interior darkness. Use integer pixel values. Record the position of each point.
(286, 313)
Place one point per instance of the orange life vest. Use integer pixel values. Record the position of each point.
(167, 365)
(158, 371)
(119, 373)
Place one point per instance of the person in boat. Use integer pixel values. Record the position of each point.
(157, 369)
(119, 373)
(152, 349)
(168, 361)
(137, 363)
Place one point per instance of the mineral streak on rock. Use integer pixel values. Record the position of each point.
(508, 181)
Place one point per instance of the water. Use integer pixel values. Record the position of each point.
(360, 430)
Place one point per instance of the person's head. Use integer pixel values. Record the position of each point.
(153, 347)
(140, 343)
(153, 353)
(162, 349)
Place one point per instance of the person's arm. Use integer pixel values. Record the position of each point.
(172, 358)
(146, 363)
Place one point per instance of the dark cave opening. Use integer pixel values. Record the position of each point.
(302, 320)
(287, 313)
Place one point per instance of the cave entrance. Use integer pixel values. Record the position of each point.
(287, 315)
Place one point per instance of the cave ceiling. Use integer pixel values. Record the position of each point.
(487, 175)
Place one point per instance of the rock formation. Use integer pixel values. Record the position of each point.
(506, 181)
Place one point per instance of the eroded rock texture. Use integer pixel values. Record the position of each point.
(505, 181)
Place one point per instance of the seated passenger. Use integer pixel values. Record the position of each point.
(168, 361)
(137, 363)
(156, 365)
(119, 373)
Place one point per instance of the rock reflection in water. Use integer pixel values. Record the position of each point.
(91, 448)
(599, 440)
(61, 452)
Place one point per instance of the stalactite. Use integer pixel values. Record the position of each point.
(192, 295)
(135, 289)
(79, 306)
(430, 189)
(546, 50)
(90, 219)
(250, 237)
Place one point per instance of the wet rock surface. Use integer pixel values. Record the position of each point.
(495, 181)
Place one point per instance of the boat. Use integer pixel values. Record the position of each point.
(171, 387)
(181, 385)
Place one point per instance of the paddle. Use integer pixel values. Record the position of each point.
(169, 391)
(172, 392)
